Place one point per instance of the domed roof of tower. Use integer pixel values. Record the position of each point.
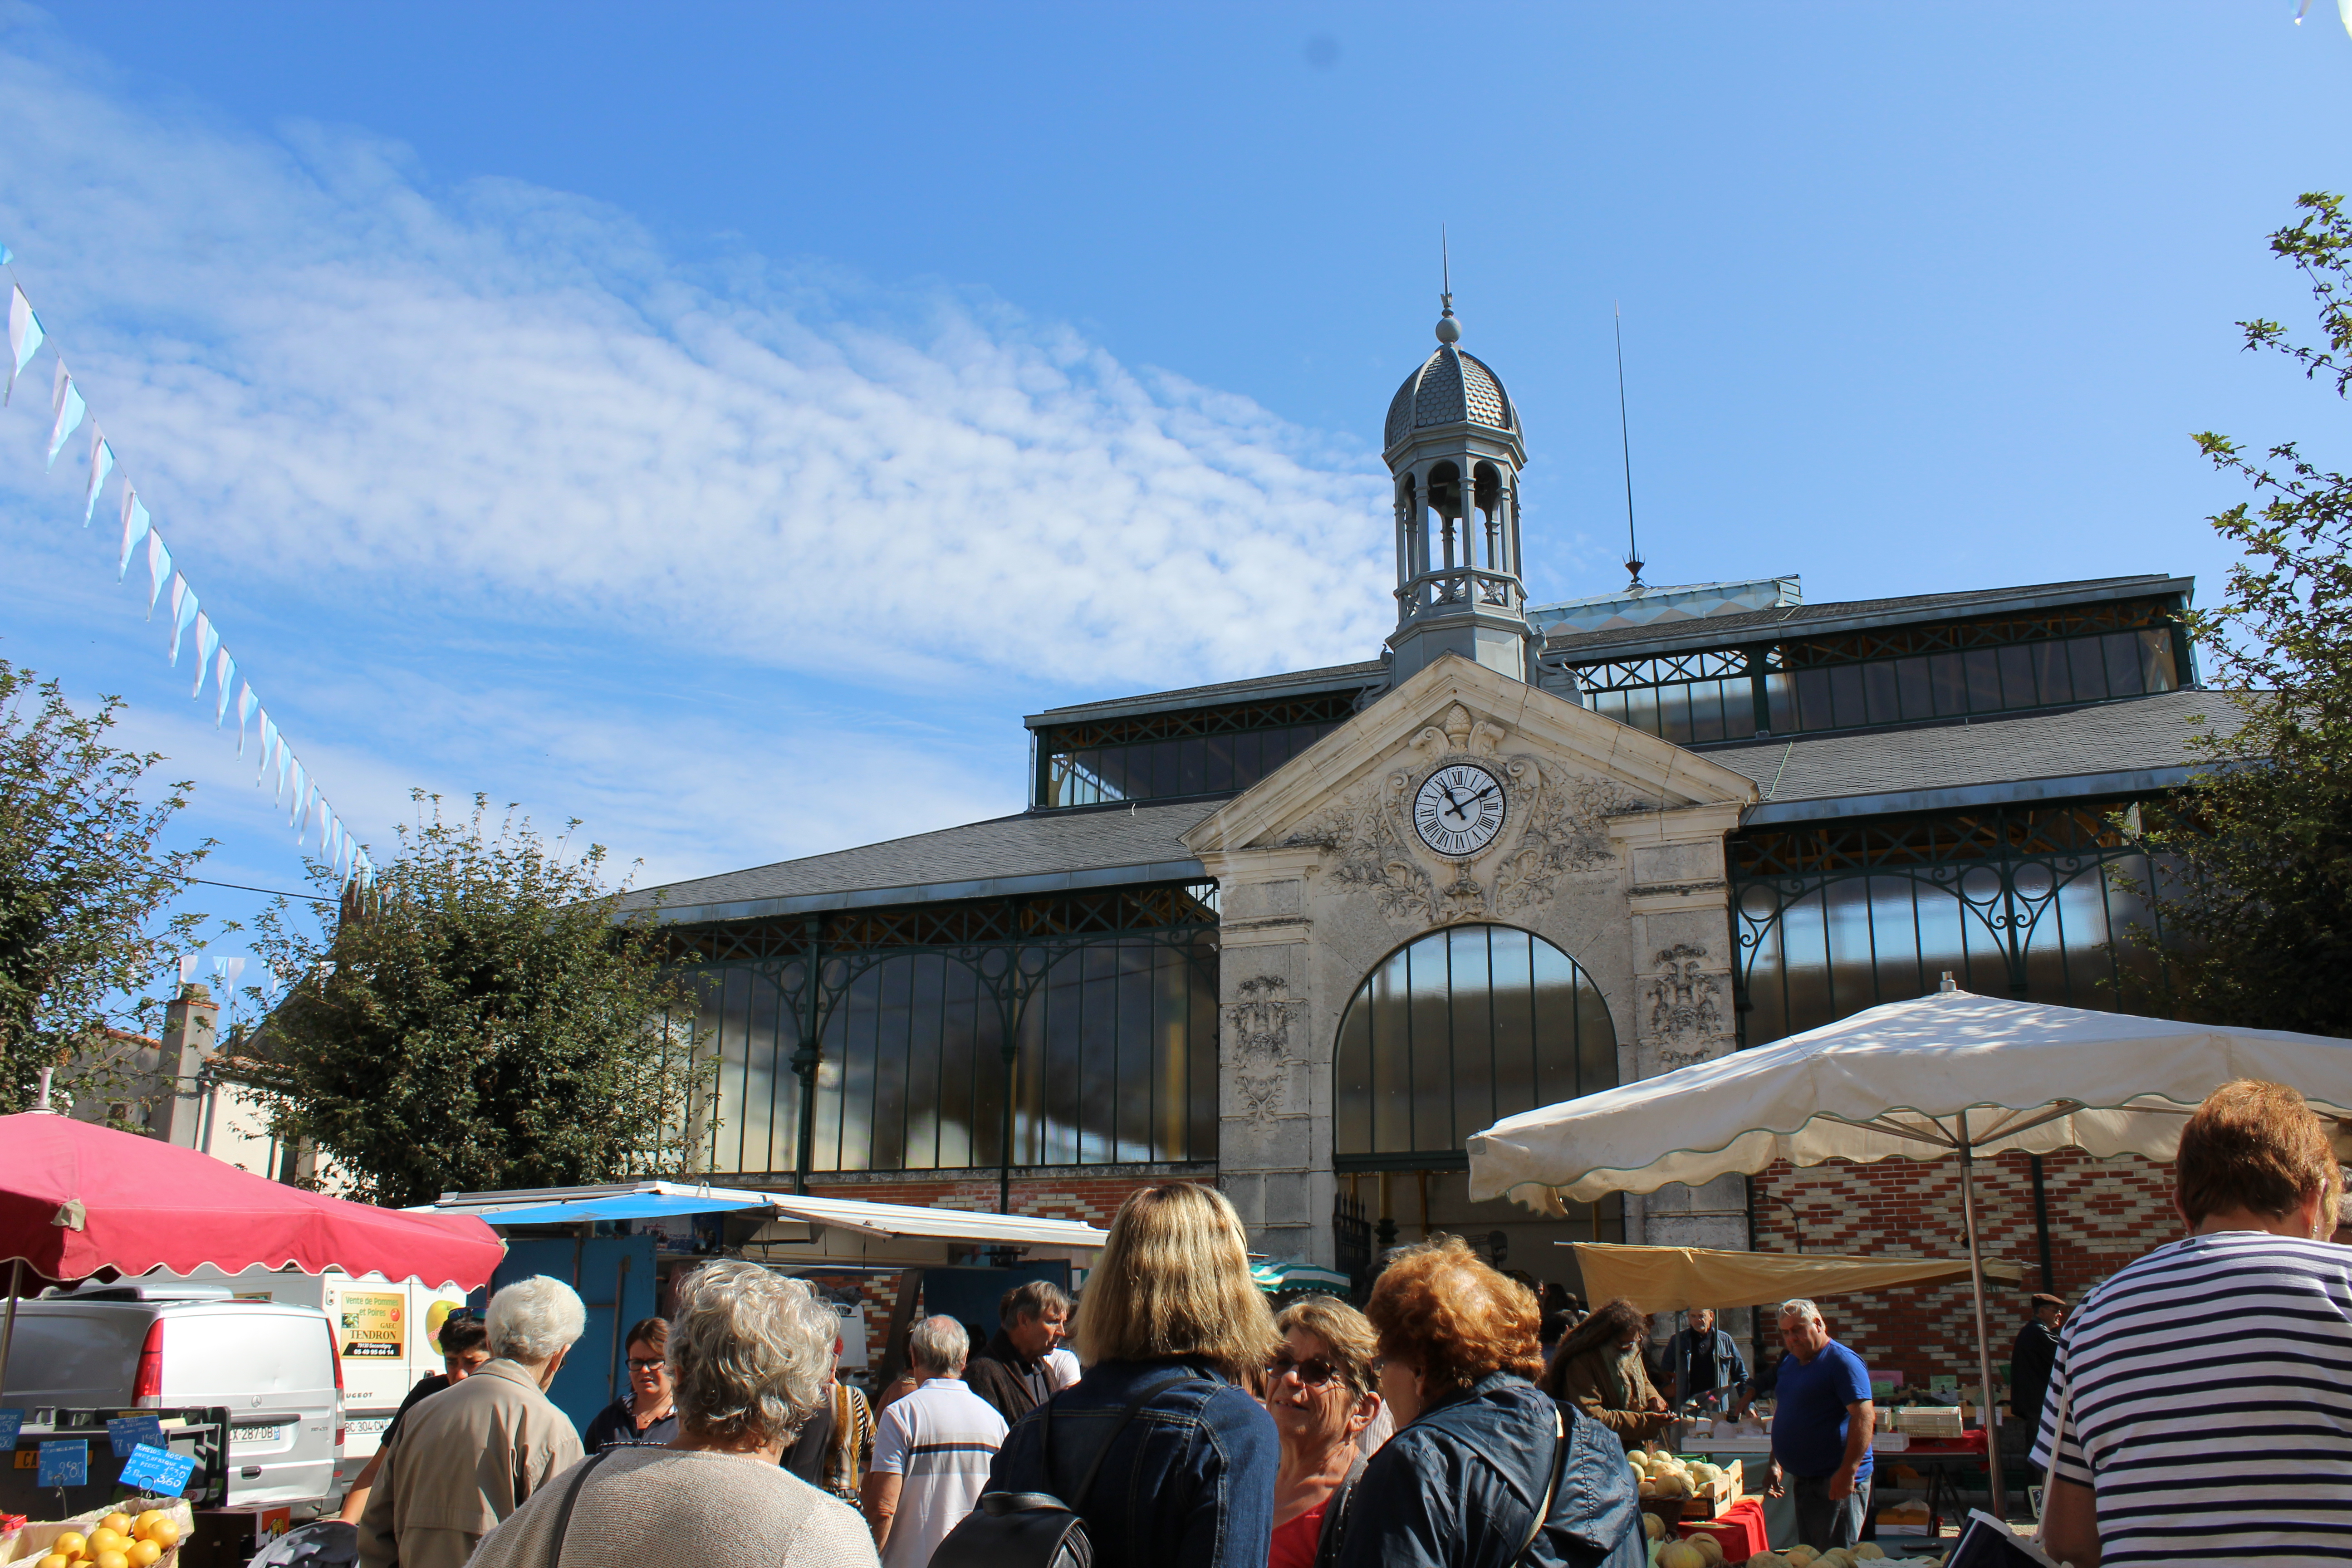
(1450, 388)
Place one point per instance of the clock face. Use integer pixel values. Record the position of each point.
(1459, 809)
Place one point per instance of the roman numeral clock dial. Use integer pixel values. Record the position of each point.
(1458, 810)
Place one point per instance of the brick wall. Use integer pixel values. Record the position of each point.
(2103, 1214)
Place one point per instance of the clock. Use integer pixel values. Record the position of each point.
(1458, 810)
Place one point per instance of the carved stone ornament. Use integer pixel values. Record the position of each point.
(1559, 826)
(1258, 1033)
(1682, 1016)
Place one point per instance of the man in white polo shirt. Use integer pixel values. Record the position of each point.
(931, 1451)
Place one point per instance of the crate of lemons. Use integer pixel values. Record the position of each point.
(144, 1533)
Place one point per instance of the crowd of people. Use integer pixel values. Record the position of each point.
(1458, 1420)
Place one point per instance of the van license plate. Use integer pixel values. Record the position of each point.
(273, 1433)
(367, 1425)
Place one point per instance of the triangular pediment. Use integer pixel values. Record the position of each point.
(1455, 709)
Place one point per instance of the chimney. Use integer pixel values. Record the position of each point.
(191, 1033)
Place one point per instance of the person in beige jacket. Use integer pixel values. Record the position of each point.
(468, 1457)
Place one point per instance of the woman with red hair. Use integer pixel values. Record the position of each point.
(1485, 1469)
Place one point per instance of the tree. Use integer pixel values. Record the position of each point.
(2259, 918)
(482, 1018)
(83, 891)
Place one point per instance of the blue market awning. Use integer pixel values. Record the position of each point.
(631, 1206)
(1283, 1275)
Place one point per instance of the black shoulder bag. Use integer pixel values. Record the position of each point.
(1036, 1529)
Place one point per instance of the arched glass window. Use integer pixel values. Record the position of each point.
(1455, 1031)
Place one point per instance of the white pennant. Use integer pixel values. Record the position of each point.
(70, 409)
(159, 571)
(183, 609)
(246, 703)
(134, 529)
(225, 672)
(24, 337)
(101, 463)
(208, 639)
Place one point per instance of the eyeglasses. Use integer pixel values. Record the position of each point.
(654, 1365)
(1315, 1372)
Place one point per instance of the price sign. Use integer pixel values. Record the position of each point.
(11, 1422)
(127, 1432)
(65, 1464)
(158, 1472)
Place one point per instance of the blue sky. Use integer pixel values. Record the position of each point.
(720, 423)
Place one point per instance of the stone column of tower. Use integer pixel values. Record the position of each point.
(1453, 433)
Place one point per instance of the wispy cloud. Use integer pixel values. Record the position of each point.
(506, 400)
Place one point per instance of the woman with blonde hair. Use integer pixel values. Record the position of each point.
(1182, 1458)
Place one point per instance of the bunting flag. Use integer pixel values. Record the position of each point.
(208, 639)
(101, 463)
(228, 969)
(134, 529)
(214, 662)
(70, 409)
(24, 336)
(159, 571)
(184, 610)
(188, 962)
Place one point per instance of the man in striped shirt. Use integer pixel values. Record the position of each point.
(2201, 1402)
(933, 1452)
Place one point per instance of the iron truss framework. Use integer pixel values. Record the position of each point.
(2018, 900)
(1009, 945)
(1229, 718)
(1760, 659)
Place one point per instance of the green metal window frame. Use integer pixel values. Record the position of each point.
(1074, 1028)
(2098, 653)
(1435, 1046)
(1189, 751)
(2016, 900)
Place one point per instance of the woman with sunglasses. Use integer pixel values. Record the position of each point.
(1321, 1392)
(646, 1417)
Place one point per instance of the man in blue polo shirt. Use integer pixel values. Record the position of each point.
(1821, 1430)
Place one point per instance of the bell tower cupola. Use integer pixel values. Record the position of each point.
(1453, 453)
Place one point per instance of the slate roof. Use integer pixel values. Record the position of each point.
(1850, 614)
(2108, 748)
(1450, 388)
(1030, 853)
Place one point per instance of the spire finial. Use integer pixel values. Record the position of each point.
(1449, 331)
(1633, 561)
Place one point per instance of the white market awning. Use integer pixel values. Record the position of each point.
(558, 1205)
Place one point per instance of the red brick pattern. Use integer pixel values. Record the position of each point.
(2103, 1214)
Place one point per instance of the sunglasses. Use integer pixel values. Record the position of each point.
(1315, 1372)
(654, 1365)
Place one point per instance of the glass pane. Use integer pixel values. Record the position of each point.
(1132, 1128)
(1813, 710)
(1707, 710)
(1768, 980)
(1193, 756)
(1275, 747)
(1673, 714)
(1878, 692)
(1167, 767)
(926, 1019)
(1983, 664)
(1473, 1077)
(1351, 1081)
(1609, 703)
(1433, 1046)
(1781, 701)
(960, 1062)
(1804, 946)
(1063, 1061)
(1095, 1032)
(893, 1029)
(2123, 663)
(1555, 976)
(1219, 773)
(1739, 703)
(2088, 668)
(1846, 908)
(1916, 697)
(1845, 696)
(1201, 1062)
(1641, 708)
(990, 1077)
(2017, 677)
(1392, 1057)
(1949, 680)
(2157, 671)
(2051, 679)
(1596, 1039)
(1516, 1085)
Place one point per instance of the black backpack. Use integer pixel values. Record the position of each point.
(1036, 1529)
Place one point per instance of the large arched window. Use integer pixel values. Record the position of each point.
(1455, 1031)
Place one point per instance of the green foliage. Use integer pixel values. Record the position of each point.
(481, 1020)
(2260, 923)
(83, 889)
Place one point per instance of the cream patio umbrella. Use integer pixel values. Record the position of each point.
(1948, 1074)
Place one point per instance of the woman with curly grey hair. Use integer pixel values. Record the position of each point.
(751, 1356)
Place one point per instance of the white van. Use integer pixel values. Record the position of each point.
(142, 1344)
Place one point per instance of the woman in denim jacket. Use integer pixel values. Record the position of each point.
(1485, 1469)
(1170, 1309)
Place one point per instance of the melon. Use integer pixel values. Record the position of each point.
(1709, 1548)
(1680, 1555)
(1653, 1527)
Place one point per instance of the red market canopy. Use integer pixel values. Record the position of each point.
(76, 1198)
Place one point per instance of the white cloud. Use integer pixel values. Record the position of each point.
(320, 368)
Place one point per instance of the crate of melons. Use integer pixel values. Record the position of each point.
(142, 1532)
(1702, 1489)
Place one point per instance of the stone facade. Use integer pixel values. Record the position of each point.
(1611, 851)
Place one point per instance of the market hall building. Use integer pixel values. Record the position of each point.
(1302, 935)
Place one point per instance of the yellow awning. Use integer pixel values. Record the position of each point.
(1675, 1279)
